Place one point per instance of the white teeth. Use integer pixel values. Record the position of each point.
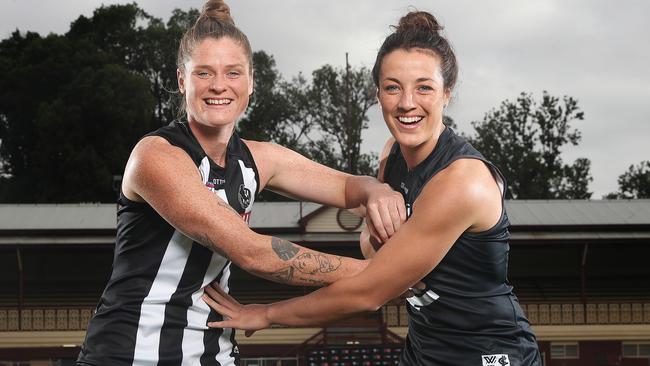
(217, 101)
(409, 119)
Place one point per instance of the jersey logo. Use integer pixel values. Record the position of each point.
(404, 188)
(422, 299)
(495, 360)
(244, 195)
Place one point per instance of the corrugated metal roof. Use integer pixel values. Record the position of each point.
(579, 212)
(102, 216)
(57, 216)
(287, 214)
(280, 214)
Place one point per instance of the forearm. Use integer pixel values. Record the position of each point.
(357, 191)
(325, 305)
(285, 262)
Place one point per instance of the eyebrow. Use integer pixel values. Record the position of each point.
(418, 80)
(211, 67)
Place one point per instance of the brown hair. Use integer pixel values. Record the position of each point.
(214, 22)
(419, 29)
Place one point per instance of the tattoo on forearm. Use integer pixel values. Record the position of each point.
(305, 267)
(310, 263)
(283, 248)
(313, 281)
(284, 276)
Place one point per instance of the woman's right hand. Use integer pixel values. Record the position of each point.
(249, 318)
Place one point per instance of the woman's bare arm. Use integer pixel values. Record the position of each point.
(166, 178)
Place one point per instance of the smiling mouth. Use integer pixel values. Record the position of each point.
(221, 101)
(409, 120)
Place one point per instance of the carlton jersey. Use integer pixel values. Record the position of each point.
(467, 315)
(151, 312)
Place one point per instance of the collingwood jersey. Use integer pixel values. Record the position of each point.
(151, 312)
(467, 315)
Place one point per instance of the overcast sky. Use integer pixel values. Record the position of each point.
(594, 50)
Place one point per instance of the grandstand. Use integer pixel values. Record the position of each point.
(580, 269)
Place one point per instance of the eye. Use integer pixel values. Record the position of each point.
(425, 88)
(233, 74)
(202, 74)
(391, 88)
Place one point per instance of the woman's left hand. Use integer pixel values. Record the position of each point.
(250, 318)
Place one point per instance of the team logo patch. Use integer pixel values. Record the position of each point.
(244, 196)
(495, 360)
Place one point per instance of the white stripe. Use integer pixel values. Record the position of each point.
(204, 168)
(152, 313)
(248, 175)
(197, 315)
(225, 346)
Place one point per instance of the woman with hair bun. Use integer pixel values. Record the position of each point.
(452, 252)
(185, 201)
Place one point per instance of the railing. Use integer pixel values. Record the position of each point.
(395, 315)
(270, 361)
(555, 314)
(45, 319)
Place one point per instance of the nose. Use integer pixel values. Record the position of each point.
(218, 83)
(406, 101)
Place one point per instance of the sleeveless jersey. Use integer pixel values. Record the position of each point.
(467, 315)
(151, 312)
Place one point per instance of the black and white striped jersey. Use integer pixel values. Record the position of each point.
(151, 312)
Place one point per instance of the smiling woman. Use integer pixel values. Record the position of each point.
(184, 205)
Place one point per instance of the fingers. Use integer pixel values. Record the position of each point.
(223, 293)
(223, 310)
(376, 223)
(221, 324)
(218, 297)
(386, 214)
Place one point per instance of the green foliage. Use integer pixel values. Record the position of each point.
(321, 119)
(634, 183)
(525, 140)
(74, 105)
(339, 100)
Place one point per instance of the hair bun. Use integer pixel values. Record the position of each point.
(218, 10)
(418, 20)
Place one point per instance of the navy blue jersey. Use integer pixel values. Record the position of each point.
(151, 312)
(468, 314)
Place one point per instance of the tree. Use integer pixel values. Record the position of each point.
(338, 101)
(321, 119)
(42, 95)
(273, 112)
(634, 183)
(525, 140)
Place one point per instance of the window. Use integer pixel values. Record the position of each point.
(564, 350)
(636, 349)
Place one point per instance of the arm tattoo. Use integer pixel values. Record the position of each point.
(284, 276)
(284, 249)
(310, 263)
(304, 267)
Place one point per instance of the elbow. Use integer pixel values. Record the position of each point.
(247, 257)
(367, 301)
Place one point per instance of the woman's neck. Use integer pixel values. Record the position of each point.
(213, 140)
(414, 155)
